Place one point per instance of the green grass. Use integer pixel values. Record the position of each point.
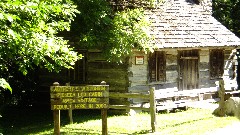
(191, 122)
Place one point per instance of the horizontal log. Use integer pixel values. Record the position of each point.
(128, 95)
(128, 107)
(189, 58)
(110, 81)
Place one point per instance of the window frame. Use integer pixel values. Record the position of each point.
(216, 63)
(78, 75)
(157, 66)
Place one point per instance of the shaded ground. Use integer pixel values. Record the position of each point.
(16, 120)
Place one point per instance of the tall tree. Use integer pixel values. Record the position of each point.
(28, 35)
(115, 32)
(227, 12)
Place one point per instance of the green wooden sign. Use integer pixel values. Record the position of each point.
(79, 97)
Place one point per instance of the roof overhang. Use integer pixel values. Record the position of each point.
(186, 25)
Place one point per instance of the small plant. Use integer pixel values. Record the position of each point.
(4, 84)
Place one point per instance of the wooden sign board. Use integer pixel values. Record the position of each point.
(79, 97)
(139, 60)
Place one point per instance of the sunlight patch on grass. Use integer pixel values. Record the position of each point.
(191, 122)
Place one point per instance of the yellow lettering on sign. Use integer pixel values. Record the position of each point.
(103, 88)
(93, 100)
(65, 107)
(61, 107)
(56, 107)
(99, 105)
(65, 95)
(80, 106)
(82, 94)
(67, 100)
(86, 100)
(90, 106)
(96, 94)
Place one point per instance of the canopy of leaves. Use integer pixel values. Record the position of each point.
(227, 12)
(116, 33)
(28, 38)
(130, 30)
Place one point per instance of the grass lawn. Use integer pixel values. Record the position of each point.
(191, 122)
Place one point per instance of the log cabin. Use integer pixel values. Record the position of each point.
(193, 51)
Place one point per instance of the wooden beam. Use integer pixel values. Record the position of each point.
(104, 117)
(128, 107)
(128, 95)
(189, 58)
(153, 109)
(56, 117)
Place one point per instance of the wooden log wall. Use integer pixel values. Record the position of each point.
(204, 74)
(138, 76)
(139, 80)
(96, 69)
(138, 73)
(171, 68)
(132, 77)
(115, 75)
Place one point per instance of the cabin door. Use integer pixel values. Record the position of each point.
(188, 69)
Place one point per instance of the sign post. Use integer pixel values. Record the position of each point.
(104, 116)
(56, 117)
(79, 97)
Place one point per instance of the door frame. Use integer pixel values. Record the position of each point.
(188, 55)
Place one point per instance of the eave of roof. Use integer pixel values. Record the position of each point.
(182, 24)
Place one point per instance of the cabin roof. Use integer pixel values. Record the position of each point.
(181, 23)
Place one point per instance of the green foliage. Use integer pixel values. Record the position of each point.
(28, 31)
(4, 84)
(93, 23)
(130, 30)
(116, 33)
(227, 12)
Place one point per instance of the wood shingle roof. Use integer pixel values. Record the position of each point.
(181, 23)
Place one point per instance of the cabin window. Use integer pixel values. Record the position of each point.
(216, 63)
(78, 74)
(157, 66)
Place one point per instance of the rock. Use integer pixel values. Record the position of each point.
(231, 107)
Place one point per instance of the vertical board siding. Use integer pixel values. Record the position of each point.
(188, 69)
